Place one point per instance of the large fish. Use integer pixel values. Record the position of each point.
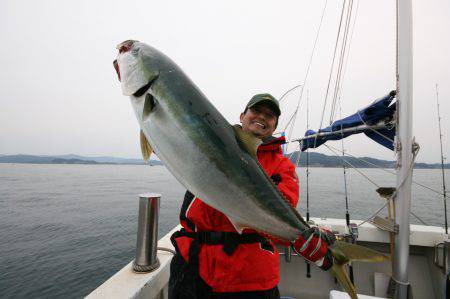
(213, 159)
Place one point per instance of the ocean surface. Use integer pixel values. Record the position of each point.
(65, 229)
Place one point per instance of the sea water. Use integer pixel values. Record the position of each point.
(65, 229)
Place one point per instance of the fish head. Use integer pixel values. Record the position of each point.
(137, 66)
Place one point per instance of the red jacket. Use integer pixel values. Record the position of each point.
(250, 267)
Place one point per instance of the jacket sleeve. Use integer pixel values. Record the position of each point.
(288, 185)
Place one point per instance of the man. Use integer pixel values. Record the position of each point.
(213, 260)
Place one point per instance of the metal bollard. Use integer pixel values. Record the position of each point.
(147, 235)
(287, 254)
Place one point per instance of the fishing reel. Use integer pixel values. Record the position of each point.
(350, 235)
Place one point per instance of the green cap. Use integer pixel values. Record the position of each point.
(265, 98)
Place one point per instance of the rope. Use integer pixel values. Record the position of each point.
(167, 249)
(418, 218)
(387, 171)
(146, 268)
(298, 157)
(415, 152)
(400, 282)
(374, 214)
(354, 167)
(412, 213)
(294, 116)
(332, 64)
(382, 135)
(349, 48)
(341, 59)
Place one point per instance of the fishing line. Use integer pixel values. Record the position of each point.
(348, 50)
(341, 60)
(294, 116)
(288, 91)
(332, 66)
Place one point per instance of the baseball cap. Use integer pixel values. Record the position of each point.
(265, 98)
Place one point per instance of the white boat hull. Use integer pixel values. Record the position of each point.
(427, 280)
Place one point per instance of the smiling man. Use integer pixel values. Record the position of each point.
(215, 261)
(260, 116)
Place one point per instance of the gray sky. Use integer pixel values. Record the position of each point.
(59, 93)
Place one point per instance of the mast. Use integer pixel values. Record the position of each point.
(404, 145)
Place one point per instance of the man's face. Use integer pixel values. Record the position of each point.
(260, 120)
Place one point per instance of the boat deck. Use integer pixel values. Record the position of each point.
(427, 280)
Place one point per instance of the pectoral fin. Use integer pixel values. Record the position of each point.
(149, 105)
(247, 141)
(237, 226)
(146, 148)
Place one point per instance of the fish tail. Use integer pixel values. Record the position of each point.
(343, 253)
(343, 279)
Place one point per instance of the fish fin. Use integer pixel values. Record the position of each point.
(149, 105)
(347, 252)
(247, 140)
(146, 148)
(237, 226)
(344, 253)
(343, 279)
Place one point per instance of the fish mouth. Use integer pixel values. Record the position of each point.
(135, 77)
(116, 67)
(122, 47)
(126, 45)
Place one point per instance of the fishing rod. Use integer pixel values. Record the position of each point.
(308, 264)
(442, 162)
(446, 241)
(307, 159)
(347, 213)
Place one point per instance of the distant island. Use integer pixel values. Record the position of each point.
(321, 160)
(315, 160)
(74, 159)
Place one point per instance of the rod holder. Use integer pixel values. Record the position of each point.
(147, 236)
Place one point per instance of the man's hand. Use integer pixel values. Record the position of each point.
(313, 246)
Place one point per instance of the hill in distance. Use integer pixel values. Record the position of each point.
(73, 159)
(321, 160)
(315, 160)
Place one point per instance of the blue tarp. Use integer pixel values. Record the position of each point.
(381, 110)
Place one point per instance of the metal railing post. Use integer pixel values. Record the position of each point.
(147, 235)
